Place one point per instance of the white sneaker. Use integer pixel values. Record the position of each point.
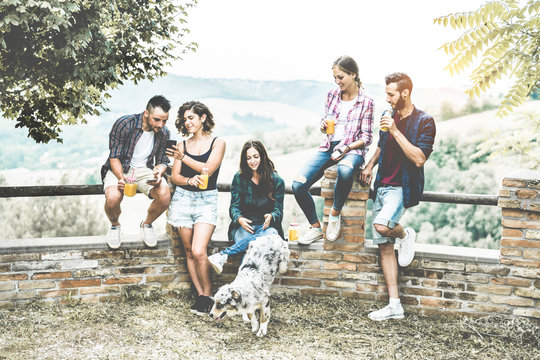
(147, 234)
(406, 248)
(217, 261)
(313, 234)
(114, 237)
(386, 313)
(334, 226)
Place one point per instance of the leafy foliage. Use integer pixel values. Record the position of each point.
(524, 142)
(507, 38)
(59, 58)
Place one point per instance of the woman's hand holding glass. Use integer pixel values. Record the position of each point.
(245, 224)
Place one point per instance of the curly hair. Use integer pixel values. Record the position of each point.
(265, 170)
(198, 108)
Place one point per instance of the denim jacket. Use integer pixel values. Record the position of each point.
(420, 131)
(242, 193)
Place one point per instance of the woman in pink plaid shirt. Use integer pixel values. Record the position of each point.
(352, 112)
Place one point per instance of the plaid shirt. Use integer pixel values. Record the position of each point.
(123, 137)
(420, 131)
(359, 121)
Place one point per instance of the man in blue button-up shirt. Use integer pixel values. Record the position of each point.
(403, 148)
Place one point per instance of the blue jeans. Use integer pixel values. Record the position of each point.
(313, 170)
(242, 239)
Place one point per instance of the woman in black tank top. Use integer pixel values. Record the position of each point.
(193, 211)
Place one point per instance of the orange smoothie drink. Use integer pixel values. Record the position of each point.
(130, 188)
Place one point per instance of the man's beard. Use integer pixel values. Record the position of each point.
(400, 104)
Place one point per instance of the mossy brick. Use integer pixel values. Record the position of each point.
(319, 292)
(532, 313)
(421, 291)
(474, 278)
(13, 277)
(507, 203)
(510, 251)
(320, 274)
(526, 273)
(441, 303)
(515, 233)
(520, 263)
(5, 268)
(353, 248)
(487, 269)
(158, 261)
(514, 183)
(35, 265)
(512, 301)
(520, 224)
(51, 275)
(487, 308)
(504, 193)
(149, 253)
(120, 262)
(64, 255)
(122, 280)
(364, 259)
(92, 273)
(33, 285)
(10, 258)
(534, 207)
(358, 295)
(511, 281)
(359, 276)
(94, 255)
(134, 270)
(513, 213)
(533, 215)
(59, 293)
(339, 266)
(300, 282)
(99, 290)
(371, 287)
(340, 284)
(531, 254)
(7, 286)
(528, 292)
(443, 265)
(526, 194)
(320, 255)
(79, 283)
(505, 242)
(174, 269)
(160, 278)
(490, 289)
(451, 285)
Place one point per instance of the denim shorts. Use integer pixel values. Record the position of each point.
(387, 210)
(190, 207)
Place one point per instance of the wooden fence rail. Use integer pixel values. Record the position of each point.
(67, 190)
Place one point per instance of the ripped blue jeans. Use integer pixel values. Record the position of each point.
(313, 170)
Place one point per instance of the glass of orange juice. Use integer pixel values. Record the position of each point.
(330, 124)
(204, 175)
(130, 188)
(293, 231)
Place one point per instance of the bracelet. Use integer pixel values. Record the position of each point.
(184, 154)
(187, 182)
(348, 148)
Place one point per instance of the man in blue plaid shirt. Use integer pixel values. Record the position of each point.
(405, 143)
(137, 150)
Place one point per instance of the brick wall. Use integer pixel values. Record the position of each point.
(441, 279)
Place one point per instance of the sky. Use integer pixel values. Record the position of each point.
(300, 39)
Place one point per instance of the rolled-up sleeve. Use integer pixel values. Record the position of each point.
(426, 137)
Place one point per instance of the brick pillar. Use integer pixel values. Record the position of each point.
(353, 214)
(519, 199)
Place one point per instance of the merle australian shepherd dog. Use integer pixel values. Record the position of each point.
(249, 293)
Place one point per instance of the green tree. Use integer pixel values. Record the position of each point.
(506, 36)
(59, 58)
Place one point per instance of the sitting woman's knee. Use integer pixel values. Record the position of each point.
(299, 184)
(345, 169)
(381, 229)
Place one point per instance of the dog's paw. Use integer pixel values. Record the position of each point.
(245, 317)
(261, 332)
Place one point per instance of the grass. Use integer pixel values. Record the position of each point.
(300, 328)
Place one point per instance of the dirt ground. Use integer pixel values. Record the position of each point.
(300, 328)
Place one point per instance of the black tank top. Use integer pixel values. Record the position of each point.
(188, 172)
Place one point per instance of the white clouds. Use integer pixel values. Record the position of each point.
(299, 39)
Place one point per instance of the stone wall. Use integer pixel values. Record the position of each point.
(441, 279)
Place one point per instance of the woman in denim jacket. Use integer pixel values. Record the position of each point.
(256, 209)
